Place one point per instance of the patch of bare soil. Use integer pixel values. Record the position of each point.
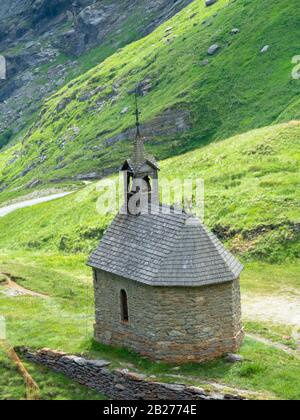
(284, 310)
(272, 308)
(12, 289)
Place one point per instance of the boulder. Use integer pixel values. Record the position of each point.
(142, 88)
(213, 49)
(27, 170)
(87, 177)
(235, 31)
(85, 97)
(169, 40)
(265, 49)
(124, 110)
(204, 62)
(234, 358)
(210, 2)
(63, 104)
(72, 42)
(33, 184)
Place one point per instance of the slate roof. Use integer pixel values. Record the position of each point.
(164, 250)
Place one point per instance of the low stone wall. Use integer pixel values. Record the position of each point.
(116, 384)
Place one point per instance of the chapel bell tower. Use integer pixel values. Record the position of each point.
(140, 175)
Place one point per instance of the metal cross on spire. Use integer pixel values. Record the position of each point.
(139, 150)
(137, 115)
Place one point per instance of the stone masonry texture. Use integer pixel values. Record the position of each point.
(117, 384)
(173, 324)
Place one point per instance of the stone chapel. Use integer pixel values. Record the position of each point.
(165, 286)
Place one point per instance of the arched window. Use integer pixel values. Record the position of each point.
(124, 306)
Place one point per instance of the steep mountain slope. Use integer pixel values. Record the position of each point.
(187, 96)
(46, 43)
(251, 199)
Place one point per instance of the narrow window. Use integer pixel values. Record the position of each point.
(148, 182)
(124, 306)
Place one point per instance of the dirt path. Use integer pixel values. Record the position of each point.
(275, 309)
(12, 289)
(28, 203)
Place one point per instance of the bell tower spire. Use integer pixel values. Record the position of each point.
(137, 115)
(141, 171)
(139, 149)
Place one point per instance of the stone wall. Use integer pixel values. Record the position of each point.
(116, 384)
(175, 324)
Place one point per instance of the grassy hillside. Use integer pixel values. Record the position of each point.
(251, 200)
(43, 56)
(238, 89)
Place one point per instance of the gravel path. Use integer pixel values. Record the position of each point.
(12, 289)
(28, 203)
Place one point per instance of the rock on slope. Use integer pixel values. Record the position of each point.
(44, 40)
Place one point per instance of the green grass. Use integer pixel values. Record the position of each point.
(281, 334)
(235, 93)
(263, 278)
(64, 317)
(64, 321)
(52, 386)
